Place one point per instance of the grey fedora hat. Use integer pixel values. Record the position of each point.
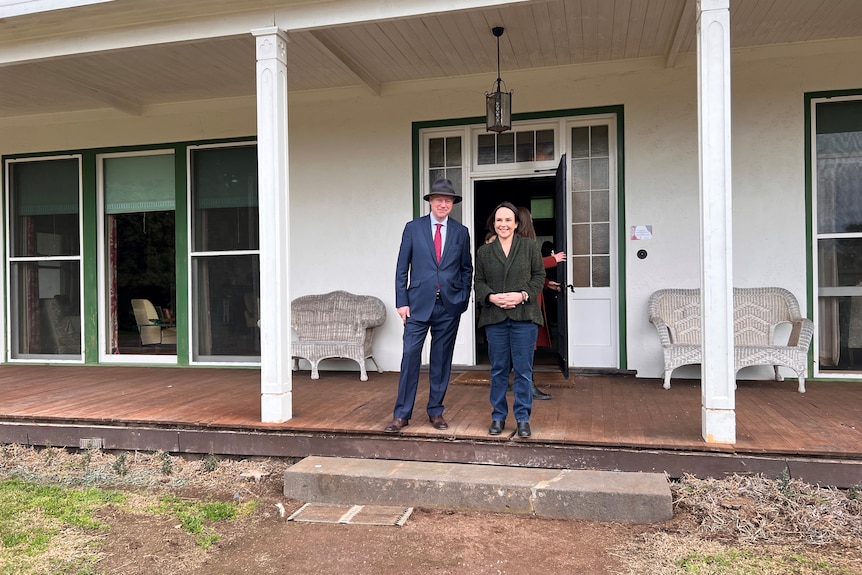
(443, 187)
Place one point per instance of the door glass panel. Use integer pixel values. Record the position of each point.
(140, 254)
(590, 193)
(838, 184)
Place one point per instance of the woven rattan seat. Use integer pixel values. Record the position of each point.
(757, 313)
(336, 325)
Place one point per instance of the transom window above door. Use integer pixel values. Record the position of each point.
(519, 146)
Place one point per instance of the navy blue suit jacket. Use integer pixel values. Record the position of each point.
(417, 273)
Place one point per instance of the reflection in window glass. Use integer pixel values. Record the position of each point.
(580, 142)
(44, 204)
(487, 149)
(227, 289)
(224, 198)
(436, 153)
(525, 147)
(453, 151)
(599, 142)
(506, 148)
(46, 314)
(545, 145)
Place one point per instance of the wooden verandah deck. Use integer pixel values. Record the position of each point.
(602, 422)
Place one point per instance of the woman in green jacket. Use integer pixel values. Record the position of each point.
(509, 277)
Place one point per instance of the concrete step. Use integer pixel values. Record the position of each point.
(549, 493)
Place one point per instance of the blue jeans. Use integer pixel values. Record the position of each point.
(510, 346)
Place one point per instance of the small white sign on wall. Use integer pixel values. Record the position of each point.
(641, 232)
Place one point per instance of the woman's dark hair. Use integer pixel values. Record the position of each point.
(509, 205)
(525, 228)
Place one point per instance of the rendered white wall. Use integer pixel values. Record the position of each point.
(351, 168)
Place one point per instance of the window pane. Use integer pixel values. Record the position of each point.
(599, 170)
(580, 175)
(581, 272)
(600, 208)
(453, 151)
(506, 148)
(581, 239)
(44, 197)
(840, 262)
(601, 271)
(525, 147)
(580, 207)
(487, 149)
(601, 238)
(46, 314)
(436, 153)
(599, 146)
(580, 142)
(227, 305)
(545, 145)
(435, 174)
(839, 182)
(224, 198)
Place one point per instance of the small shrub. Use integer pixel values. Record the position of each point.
(210, 463)
(120, 466)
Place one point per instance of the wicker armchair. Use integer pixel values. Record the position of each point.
(757, 312)
(336, 325)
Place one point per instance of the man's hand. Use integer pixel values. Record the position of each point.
(553, 285)
(404, 312)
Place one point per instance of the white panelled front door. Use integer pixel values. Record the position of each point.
(593, 255)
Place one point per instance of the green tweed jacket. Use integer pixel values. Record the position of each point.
(522, 270)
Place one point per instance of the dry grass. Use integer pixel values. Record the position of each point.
(740, 525)
(749, 525)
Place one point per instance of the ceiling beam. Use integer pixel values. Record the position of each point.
(109, 97)
(358, 70)
(683, 29)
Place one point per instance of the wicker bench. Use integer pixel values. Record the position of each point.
(336, 325)
(757, 312)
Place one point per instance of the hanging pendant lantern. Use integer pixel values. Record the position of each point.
(498, 104)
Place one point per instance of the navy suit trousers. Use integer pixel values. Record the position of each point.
(444, 328)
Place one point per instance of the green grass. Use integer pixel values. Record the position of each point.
(736, 561)
(32, 518)
(196, 517)
(53, 529)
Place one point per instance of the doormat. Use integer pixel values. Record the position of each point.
(352, 514)
(541, 378)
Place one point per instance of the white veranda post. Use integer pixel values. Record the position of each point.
(713, 96)
(273, 199)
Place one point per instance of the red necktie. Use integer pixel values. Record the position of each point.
(438, 243)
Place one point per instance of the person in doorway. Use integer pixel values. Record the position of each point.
(543, 339)
(433, 278)
(509, 278)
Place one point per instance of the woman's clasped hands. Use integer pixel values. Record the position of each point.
(507, 300)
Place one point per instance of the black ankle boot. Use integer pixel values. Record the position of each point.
(539, 394)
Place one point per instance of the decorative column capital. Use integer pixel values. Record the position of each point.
(271, 43)
(704, 5)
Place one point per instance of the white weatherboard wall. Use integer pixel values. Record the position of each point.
(351, 168)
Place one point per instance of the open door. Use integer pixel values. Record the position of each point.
(560, 220)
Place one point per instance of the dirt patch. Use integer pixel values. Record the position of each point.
(723, 527)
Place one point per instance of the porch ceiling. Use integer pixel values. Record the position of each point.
(69, 72)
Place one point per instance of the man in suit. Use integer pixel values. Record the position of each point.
(435, 258)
